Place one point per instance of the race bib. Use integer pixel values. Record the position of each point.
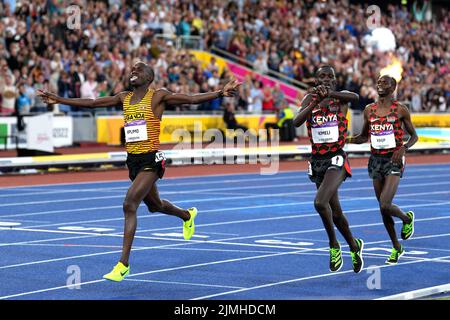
(159, 156)
(337, 161)
(383, 140)
(327, 132)
(136, 131)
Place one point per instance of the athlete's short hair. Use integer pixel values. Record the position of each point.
(149, 71)
(392, 79)
(324, 66)
(394, 82)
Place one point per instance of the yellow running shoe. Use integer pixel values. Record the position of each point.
(189, 225)
(118, 272)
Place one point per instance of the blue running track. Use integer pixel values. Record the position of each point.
(257, 237)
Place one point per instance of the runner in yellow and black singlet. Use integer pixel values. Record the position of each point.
(143, 108)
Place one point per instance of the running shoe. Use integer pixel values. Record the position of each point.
(189, 225)
(408, 228)
(357, 260)
(335, 259)
(118, 272)
(395, 255)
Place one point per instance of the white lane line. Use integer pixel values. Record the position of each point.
(184, 283)
(64, 245)
(58, 192)
(23, 220)
(221, 233)
(46, 290)
(61, 211)
(429, 249)
(139, 247)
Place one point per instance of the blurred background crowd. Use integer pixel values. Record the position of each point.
(292, 38)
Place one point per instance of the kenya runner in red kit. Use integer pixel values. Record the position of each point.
(383, 122)
(324, 111)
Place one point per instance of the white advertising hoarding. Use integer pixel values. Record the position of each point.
(39, 132)
(62, 131)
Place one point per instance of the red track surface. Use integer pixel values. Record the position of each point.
(186, 171)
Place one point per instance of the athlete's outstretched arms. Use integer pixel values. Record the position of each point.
(363, 136)
(51, 98)
(308, 103)
(230, 89)
(405, 117)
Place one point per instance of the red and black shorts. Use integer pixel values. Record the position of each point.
(319, 165)
(152, 161)
(381, 166)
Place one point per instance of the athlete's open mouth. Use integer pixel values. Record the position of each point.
(133, 78)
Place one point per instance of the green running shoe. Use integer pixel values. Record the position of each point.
(335, 259)
(395, 255)
(357, 260)
(408, 228)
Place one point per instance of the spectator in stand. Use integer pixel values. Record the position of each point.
(229, 116)
(23, 101)
(260, 64)
(64, 91)
(30, 91)
(213, 65)
(291, 37)
(89, 87)
(214, 80)
(39, 104)
(268, 104)
(255, 98)
(278, 96)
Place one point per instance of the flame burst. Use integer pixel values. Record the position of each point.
(394, 69)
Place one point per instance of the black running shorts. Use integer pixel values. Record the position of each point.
(152, 161)
(382, 166)
(317, 167)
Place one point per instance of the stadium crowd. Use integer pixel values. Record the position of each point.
(39, 51)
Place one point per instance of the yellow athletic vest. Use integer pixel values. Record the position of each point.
(137, 118)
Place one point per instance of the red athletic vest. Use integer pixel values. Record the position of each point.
(327, 128)
(386, 133)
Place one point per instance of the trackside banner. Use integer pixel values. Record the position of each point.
(39, 132)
